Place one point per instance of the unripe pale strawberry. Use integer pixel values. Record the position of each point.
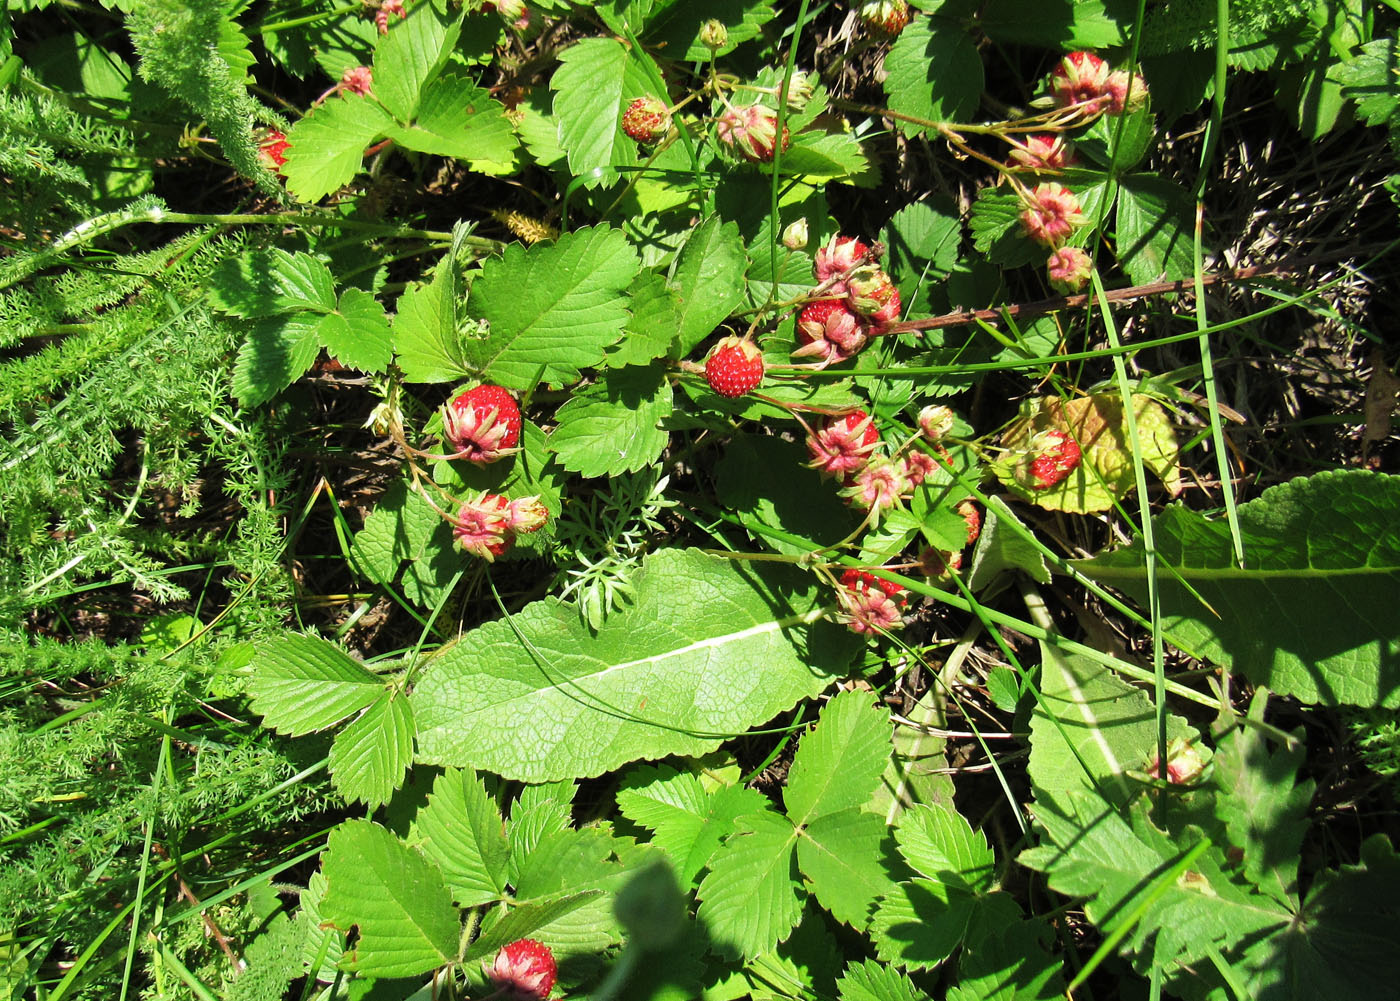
(843, 444)
(714, 35)
(751, 133)
(878, 486)
(1052, 214)
(734, 367)
(918, 466)
(1080, 77)
(646, 120)
(482, 526)
(482, 424)
(524, 971)
(356, 80)
(526, 514)
(885, 18)
(972, 517)
(839, 257)
(388, 9)
(936, 422)
(1047, 151)
(1126, 92)
(869, 290)
(795, 235)
(1069, 269)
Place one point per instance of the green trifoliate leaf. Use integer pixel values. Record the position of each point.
(750, 900)
(674, 673)
(938, 842)
(328, 145)
(462, 831)
(687, 822)
(837, 156)
(1007, 958)
(555, 307)
(302, 684)
(654, 326)
(1153, 227)
(404, 528)
(708, 278)
(411, 56)
(393, 896)
(596, 80)
(1369, 79)
(276, 351)
(920, 923)
(846, 858)
(426, 342)
(1312, 612)
(798, 503)
(838, 765)
(370, 755)
(613, 426)
(933, 72)
(263, 283)
(872, 981)
(357, 333)
(923, 239)
(457, 118)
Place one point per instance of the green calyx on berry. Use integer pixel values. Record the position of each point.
(734, 367)
(646, 120)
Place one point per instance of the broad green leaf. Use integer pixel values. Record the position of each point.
(1119, 142)
(277, 350)
(1004, 544)
(674, 25)
(1312, 613)
(750, 901)
(1005, 958)
(686, 821)
(1117, 863)
(410, 57)
(835, 156)
(917, 772)
(457, 118)
(997, 233)
(1370, 79)
(613, 426)
(846, 860)
(920, 923)
(597, 78)
(1090, 729)
(1077, 24)
(654, 326)
(1153, 227)
(328, 145)
(426, 342)
(370, 756)
(938, 842)
(404, 528)
(1099, 426)
(263, 283)
(868, 980)
(322, 945)
(556, 307)
(838, 765)
(923, 239)
(674, 673)
(301, 684)
(1341, 945)
(1264, 807)
(708, 279)
(462, 831)
(933, 72)
(799, 503)
(393, 896)
(357, 333)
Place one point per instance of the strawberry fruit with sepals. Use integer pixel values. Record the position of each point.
(1049, 459)
(734, 367)
(482, 424)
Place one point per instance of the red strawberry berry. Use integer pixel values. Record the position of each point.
(1080, 77)
(843, 445)
(272, 150)
(838, 257)
(885, 17)
(482, 527)
(524, 971)
(828, 330)
(1051, 456)
(972, 517)
(646, 120)
(734, 367)
(482, 424)
(863, 580)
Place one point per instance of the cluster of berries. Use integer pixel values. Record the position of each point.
(483, 425)
(857, 302)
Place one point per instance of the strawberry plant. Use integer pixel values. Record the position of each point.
(652, 500)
